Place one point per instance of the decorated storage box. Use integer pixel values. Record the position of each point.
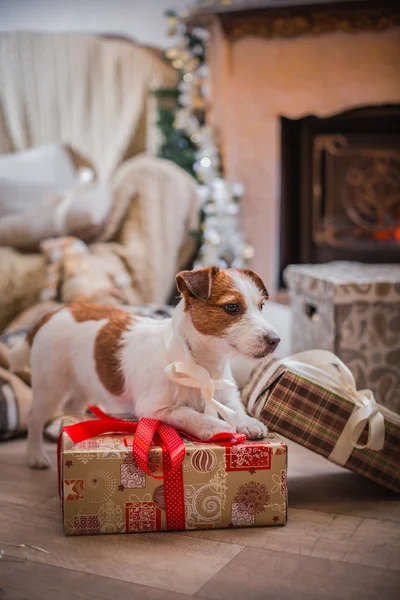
(104, 490)
(353, 310)
(311, 398)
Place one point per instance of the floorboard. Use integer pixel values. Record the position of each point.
(342, 541)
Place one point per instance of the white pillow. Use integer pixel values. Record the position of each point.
(18, 197)
(28, 177)
(82, 209)
(81, 213)
(51, 164)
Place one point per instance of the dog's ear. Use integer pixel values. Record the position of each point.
(257, 280)
(196, 283)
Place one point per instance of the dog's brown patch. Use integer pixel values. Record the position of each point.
(208, 315)
(86, 311)
(107, 349)
(107, 345)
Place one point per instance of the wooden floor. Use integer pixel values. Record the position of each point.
(342, 541)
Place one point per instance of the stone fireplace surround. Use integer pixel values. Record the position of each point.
(259, 76)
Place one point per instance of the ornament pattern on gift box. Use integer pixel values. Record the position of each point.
(218, 483)
(92, 444)
(101, 484)
(280, 484)
(73, 489)
(142, 516)
(86, 524)
(86, 457)
(111, 447)
(154, 462)
(111, 518)
(131, 476)
(277, 507)
(159, 497)
(281, 450)
(203, 460)
(243, 457)
(284, 483)
(242, 515)
(204, 503)
(253, 495)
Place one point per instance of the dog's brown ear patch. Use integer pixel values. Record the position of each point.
(257, 280)
(196, 283)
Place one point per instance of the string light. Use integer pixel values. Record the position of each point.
(178, 63)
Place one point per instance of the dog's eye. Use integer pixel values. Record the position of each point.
(232, 308)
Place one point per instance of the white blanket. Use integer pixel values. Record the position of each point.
(91, 93)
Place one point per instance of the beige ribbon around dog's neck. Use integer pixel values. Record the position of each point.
(183, 370)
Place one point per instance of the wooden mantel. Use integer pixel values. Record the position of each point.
(288, 18)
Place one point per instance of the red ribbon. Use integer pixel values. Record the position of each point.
(145, 431)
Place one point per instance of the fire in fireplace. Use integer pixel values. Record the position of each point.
(356, 190)
(340, 187)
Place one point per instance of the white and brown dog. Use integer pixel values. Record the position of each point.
(164, 369)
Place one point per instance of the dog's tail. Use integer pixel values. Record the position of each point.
(19, 356)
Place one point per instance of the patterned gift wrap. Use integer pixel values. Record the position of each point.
(103, 490)
(315, 417)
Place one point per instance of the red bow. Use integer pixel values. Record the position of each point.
(144, 431)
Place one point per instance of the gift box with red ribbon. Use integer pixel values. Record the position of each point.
(118, 476)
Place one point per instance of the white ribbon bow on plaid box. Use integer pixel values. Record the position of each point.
(326, 369)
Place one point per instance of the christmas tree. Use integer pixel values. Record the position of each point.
(181, 109)
(188, 142)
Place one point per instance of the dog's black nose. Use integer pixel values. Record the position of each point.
(272, 340)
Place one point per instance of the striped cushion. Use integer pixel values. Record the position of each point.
(15, 401)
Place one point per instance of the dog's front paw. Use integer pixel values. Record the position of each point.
(211, 428)
(253, 429)
(39, 461)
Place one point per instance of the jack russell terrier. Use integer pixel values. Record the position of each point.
(176, 370)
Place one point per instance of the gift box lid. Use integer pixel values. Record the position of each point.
(344, 281)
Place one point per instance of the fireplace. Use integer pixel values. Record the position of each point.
(308, 64)
(340, 187)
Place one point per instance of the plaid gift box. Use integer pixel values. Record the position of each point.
(311, 398)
